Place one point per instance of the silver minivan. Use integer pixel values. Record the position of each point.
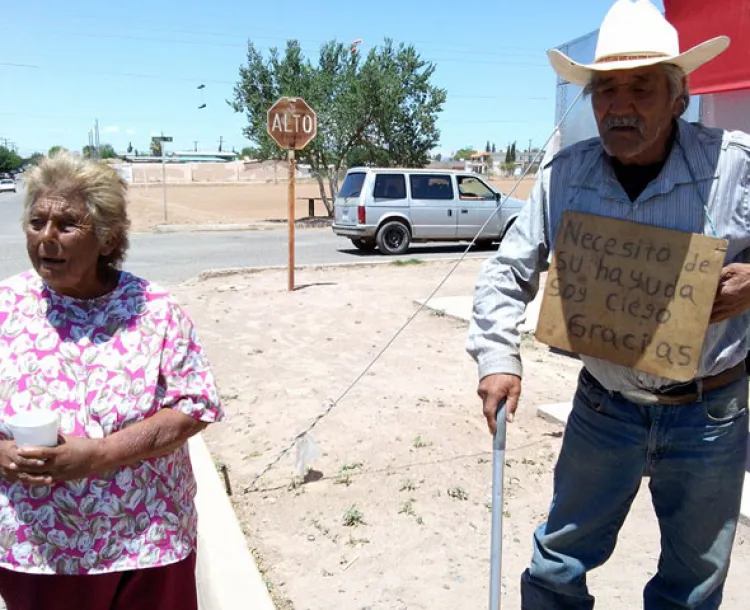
(389, 209)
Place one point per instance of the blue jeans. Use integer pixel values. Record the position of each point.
(695, 457)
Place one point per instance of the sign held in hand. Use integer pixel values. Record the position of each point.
(631, 294)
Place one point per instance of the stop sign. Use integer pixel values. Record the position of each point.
(292, 123)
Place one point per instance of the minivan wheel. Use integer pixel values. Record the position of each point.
(393, 238)
(363, 245)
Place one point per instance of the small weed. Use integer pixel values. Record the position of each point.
(353, 517)
(407, 508)
(408, 485)
(419, 442)
(403, 262)
(458, 493)
(357, 541)
(344, 476)
(438, 313)
(252, 455)
(483, 460)
(295, 483)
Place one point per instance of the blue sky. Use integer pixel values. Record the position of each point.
(135, 66)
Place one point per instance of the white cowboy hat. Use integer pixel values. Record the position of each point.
(633, 35)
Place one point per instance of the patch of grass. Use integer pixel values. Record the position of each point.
(458, 493)
(408, 485)
(357, 541)
(353, 517)
(407, 508)
(419, 442)
(344, 476)
(403, 262)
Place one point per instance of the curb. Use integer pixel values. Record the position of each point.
(226, 572)
(260, 226)
(230, 271)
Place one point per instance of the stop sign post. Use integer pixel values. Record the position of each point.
(292, 124)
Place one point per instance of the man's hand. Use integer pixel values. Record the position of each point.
(14, 467)
(733, 293)
(493, 389)
(73, 458)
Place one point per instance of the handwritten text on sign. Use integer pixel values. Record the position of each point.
(632, 294)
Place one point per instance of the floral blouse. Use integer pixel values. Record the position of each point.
(102, 364)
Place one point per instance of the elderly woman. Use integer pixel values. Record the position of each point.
(105, 519)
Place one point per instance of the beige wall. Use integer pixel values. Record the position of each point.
(238, 171)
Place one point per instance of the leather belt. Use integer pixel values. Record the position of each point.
(685, 393)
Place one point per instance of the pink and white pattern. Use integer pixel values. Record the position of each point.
(103, 364)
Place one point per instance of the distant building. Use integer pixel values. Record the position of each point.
(189, 156)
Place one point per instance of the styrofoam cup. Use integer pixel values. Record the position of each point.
(35, 428)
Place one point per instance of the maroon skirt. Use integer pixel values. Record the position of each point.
(169, 587)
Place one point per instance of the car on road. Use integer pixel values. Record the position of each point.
(7, 185)
(390, 209)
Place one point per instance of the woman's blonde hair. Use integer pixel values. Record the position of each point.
(98, 186)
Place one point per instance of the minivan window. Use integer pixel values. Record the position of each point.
(470, 187)
(352, 186)
(430, 186)
(389, 186)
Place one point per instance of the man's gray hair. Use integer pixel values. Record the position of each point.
(678, 85)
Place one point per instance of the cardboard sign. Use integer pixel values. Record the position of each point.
(631, 294)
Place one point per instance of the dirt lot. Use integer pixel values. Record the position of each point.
(396, 513)
(235, 204)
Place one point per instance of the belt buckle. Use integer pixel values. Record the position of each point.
(640, 397)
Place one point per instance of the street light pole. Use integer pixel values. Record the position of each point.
(164, 175)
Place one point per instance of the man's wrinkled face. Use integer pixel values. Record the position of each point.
(634, 111)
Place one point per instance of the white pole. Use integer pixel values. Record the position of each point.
(164, 175)
(498, 467)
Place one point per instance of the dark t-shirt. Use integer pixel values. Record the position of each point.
(635, 178)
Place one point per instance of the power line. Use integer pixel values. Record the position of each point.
(193, 80)
(503, 50)
(524, 64)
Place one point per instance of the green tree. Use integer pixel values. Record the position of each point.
(130, 147)
(464, 153)
(9, 160)
(494, 150)
(155, 148)
(488, 147)
(249, 151)
(379, 109)
(507, 155)
(56, 149)
(34, 158)
(107, 151)
(513, 152)
(438, 157)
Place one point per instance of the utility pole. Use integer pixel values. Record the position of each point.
(221, 142)
(195, 143)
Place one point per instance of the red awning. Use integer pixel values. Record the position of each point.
(699, 20)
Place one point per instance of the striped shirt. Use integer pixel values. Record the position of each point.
(704, 187)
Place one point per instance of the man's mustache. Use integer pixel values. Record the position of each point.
(623, 121)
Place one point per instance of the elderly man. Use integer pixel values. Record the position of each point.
(651, 167)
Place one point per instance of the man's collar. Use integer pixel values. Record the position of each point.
(686, 162)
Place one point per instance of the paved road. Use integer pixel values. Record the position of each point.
(175, 257)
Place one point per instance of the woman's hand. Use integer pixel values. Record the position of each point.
(16, 467)
(73, 458)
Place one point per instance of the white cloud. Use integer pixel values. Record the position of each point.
(111, 129)
(130, 132)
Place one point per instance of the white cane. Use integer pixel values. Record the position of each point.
(498, 467)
